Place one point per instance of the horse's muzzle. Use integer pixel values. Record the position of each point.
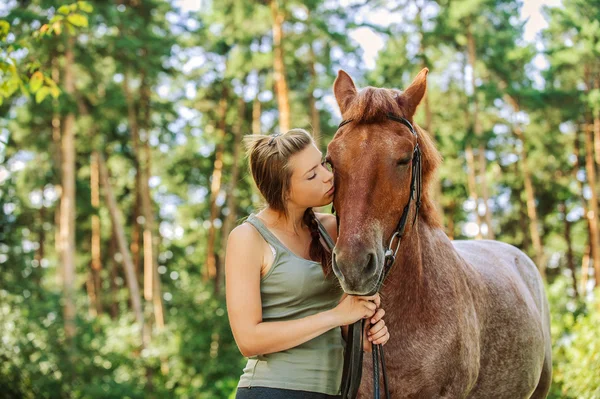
(358, 273)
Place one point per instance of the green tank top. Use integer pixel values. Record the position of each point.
(294, 288)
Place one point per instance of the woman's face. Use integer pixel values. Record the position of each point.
(311, 182)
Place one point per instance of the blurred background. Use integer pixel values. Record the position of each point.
(122, 172)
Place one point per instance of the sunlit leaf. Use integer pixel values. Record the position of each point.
(85, 6)
(36, 81)
(78, 20)
(65, 10)
(41, 94)
(55, 91)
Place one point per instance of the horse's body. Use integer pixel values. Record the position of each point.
(468, 319)
(488, 338)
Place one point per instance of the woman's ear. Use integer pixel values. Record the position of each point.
(344, 90)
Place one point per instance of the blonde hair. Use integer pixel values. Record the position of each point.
(269, 162)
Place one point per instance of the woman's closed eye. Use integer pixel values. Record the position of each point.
(324, 164)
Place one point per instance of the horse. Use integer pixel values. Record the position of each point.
(468, 319)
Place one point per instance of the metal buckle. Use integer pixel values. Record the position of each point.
(399, 236)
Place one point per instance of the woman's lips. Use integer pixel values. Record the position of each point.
(331, 191)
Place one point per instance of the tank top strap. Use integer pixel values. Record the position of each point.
(326, 237)
(265, 232)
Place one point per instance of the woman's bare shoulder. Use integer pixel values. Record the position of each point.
(247, 241)
(245, 232)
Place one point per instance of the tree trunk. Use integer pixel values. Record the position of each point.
(478, 130)
(473, 187)
(281, 87)
(67, 199)
(531, 208)
(534, 230)
(91, 292)
(112, 249)
(256, 112)
(597, 127)
(586, 255)
(96, 263)
(136, 231)
(585, 270)
(312, 101)
(570, 257)
(437, 184)
(232, 188)
(256, 129)
(116, 219)
(142, 156)
(151, 236)
(57, 149)
(471, 170)
(592, 214)
(215, 188)
(597, 137)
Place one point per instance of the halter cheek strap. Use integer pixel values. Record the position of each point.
(352, 371)
(415, 195)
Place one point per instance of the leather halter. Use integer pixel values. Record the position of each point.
(353, 355)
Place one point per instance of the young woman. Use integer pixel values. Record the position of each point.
(284, 303)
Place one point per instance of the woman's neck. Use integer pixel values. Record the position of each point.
(293, 224)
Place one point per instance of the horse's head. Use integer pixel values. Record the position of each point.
(372, 158)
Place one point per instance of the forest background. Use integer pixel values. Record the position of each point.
(122, 171)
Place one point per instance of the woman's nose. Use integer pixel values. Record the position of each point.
(328, 175)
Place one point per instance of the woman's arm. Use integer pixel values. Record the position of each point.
(244, 259)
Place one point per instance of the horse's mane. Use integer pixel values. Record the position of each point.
(372, 105)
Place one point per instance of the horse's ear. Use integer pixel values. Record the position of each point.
(344, 90)
(412, 96)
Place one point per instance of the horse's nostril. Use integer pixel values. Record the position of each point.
(336, 269)
(371, 264)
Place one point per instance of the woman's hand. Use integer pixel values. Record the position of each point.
(376, 332)
(353, 308)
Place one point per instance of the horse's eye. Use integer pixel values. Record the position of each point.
(329, 164)
(404, 161)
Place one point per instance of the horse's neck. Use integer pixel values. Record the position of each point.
(422, 270)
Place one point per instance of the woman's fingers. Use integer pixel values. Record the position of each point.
(380, 337)
(377, 300)
(382, 340)
(375, 330)
(370, 308)
(377, 316)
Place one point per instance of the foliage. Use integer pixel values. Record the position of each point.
(178, 65)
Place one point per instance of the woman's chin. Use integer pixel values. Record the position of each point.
(324, 202)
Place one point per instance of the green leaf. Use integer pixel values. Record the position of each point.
(85, 6)
(35, 82)
(4, 29)
(78, 20)
(64, 10)
(55, 92)
(41, 94)
(57, 28)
